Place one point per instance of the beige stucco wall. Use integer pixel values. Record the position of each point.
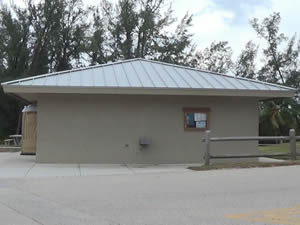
(107, 128)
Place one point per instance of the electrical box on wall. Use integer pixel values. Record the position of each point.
(144, 142)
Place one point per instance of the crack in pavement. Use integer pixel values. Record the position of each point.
(44, 211)
(20, 213)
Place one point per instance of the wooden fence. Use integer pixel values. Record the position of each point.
(292, 138)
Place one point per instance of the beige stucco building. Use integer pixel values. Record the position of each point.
(141, 111)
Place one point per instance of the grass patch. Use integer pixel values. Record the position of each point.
(243, 165)
(267, 149)
(278, 148)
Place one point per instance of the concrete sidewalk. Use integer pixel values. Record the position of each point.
(14, 165)
(227, 197)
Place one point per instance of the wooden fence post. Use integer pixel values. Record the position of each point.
(293, 144)
(207, 148)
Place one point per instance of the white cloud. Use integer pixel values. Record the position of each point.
(289, 10)
(192, 6)
(208, 21)
(214, 23)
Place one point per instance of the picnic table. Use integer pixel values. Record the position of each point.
(17, 138)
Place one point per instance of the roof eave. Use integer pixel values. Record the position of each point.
(149, 91)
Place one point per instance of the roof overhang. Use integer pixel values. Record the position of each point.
(263, 94)
(144, 77)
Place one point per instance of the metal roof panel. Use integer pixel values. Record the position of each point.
(177, 77)
(227, 83)
(133, 78)
(99, 78)
(87, 79)
(202, 82)
(63, 80)
(169, 82)
(215, 83)
(110, 77)
(142, 73)
(190, 80)
(75, 79)
(156, 79)
(121, 76)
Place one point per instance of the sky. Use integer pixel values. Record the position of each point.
(228, 20)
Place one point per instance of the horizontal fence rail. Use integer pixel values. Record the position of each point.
(266, 138)
(292, 138)
(262, 138)
(247, 156)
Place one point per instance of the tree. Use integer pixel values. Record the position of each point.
(14, 59)
(14, 35)
(59, 29)
(294, 104)
(245, 65)
(278, 64)
(96, 44)
(139, 29)
(69, 41)
(176, 48)
(149, 23)
(281, 67)
(43, 22)
(40, 38)
(54, 35)
(215, 58)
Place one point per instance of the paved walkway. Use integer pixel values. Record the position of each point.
(72, 194)
(14, 165)
(256, 196)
